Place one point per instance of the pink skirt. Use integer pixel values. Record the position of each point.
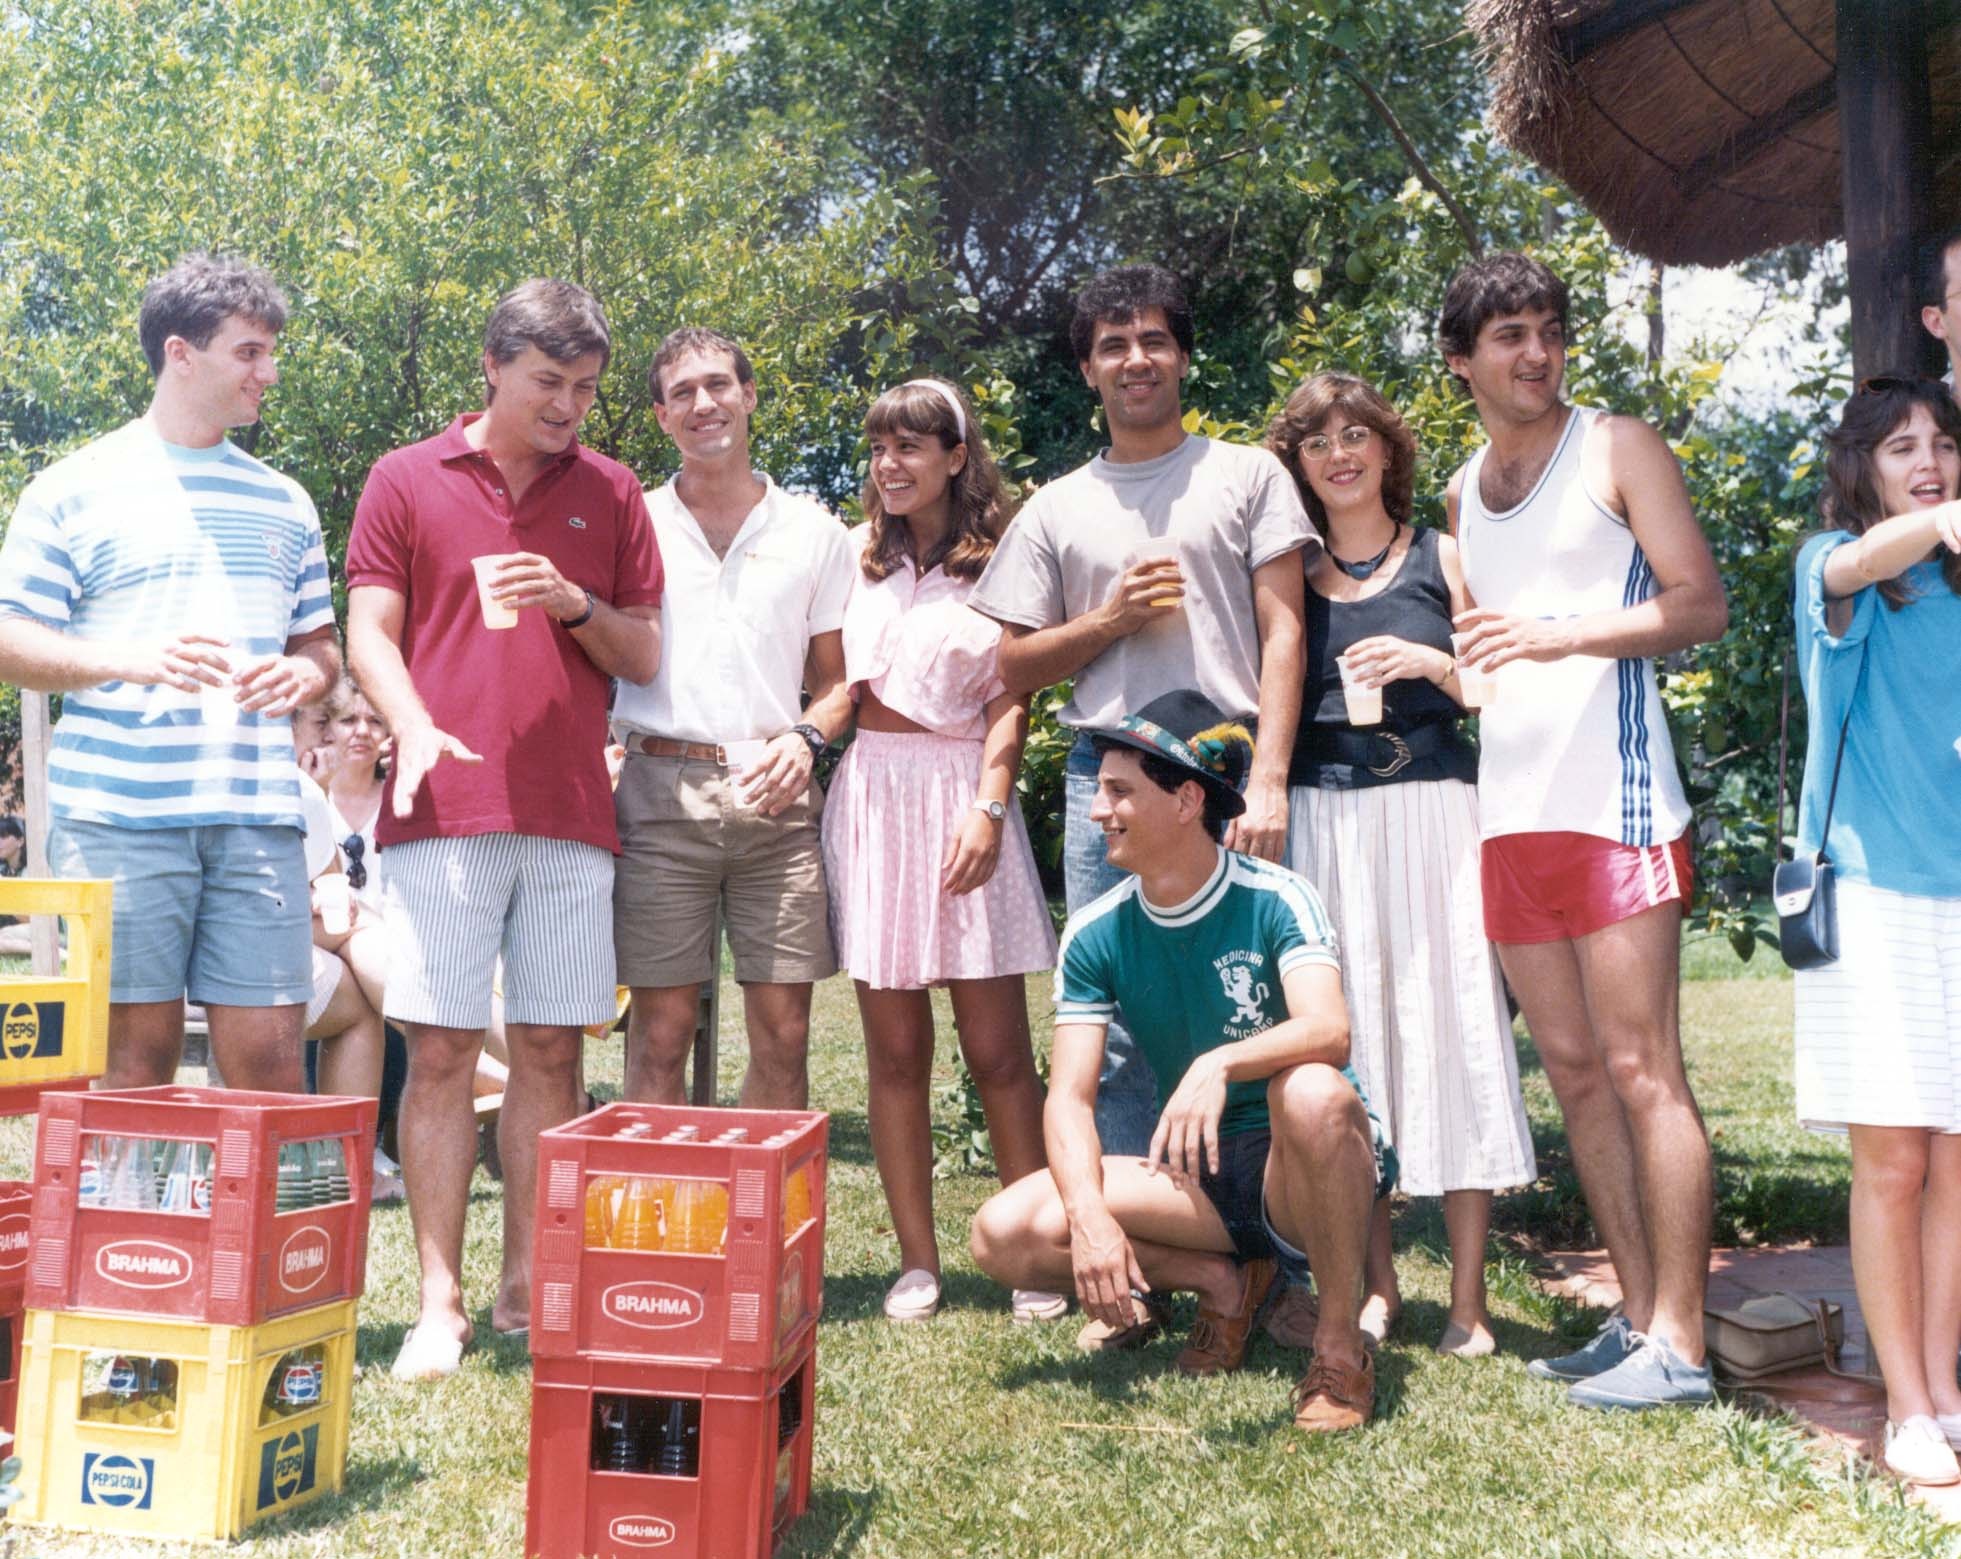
(893, 808)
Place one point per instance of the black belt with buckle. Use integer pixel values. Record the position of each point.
(1382, 752)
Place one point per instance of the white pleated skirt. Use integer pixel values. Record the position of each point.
(1430, 1036)
(1879, 1031)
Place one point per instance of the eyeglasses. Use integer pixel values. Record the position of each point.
(1318, 446)
(354, 847)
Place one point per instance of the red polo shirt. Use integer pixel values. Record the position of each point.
(525, 699)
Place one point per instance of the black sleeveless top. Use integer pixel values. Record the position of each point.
(1331, 754)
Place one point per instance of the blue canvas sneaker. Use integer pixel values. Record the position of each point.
(1653, 1375)
(1612, 1343)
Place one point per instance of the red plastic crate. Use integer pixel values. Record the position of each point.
(238, 1264)
(744, 1305)
(16, 1199)
(751, 1479)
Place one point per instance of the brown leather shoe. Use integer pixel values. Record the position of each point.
(1098, 1337)
(1219, 1341)
(1332, 1397)
(1292, 1317)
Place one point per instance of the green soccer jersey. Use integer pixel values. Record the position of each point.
(1197, 975)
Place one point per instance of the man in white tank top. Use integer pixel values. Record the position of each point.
(1585, 562)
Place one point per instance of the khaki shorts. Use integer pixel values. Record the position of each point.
(688, 848)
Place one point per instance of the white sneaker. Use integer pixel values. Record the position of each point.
(1030, 1305)
(1917, 1452)
(915, 1297)
(1950, 1426)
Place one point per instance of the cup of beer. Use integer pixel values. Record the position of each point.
(1478, 687)
(495, 613)
(1364, 702)
(1160, 549)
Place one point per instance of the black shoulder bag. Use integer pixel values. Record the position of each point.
(1802, 890)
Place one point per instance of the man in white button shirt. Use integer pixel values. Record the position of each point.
(1940, 298)
(717, 807)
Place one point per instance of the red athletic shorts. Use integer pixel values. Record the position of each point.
(1552, 887)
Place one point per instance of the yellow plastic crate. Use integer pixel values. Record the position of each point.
(122, 1461)
(55, 1033)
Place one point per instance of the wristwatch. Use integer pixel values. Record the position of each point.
(582, 619)
(813, 738)
(993, 809)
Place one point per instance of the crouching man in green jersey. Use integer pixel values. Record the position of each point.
(1265, 1156)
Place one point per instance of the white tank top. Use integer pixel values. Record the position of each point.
(1577, 745)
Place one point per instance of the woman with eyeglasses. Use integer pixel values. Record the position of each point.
(1878, 1032)
(1383, 820)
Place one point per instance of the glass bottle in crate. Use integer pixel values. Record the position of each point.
(296, 1383)
(295, 1187)
(603, 1197)
(642, 1221)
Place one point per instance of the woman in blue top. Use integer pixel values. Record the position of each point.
(1879, 1030)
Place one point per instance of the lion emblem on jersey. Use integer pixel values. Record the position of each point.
(1244, 993)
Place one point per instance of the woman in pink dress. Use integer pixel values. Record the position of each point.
(932, 881)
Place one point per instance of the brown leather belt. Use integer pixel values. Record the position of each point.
(667, 747)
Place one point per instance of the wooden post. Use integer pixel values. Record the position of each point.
(44, 940)
(1885, 127)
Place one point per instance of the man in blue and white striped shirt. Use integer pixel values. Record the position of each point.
(175, 589)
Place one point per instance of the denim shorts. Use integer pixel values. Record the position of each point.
(1238, 1194)
(220, 911)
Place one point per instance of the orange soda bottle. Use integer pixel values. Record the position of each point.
(796, 1201)
(603, 1194)
(643, 1221)
(701, 1217)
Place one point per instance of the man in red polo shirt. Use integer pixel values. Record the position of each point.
(498, 833)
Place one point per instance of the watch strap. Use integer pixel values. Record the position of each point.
(582, 619)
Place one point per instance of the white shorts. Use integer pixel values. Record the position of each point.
(454, 904)
(327, 970)
(1879, 1031)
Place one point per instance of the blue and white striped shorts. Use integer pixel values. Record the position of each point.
(451, 905)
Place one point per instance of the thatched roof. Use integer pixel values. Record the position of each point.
(1700, 131)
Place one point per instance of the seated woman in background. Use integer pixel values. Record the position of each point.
(1879, 1030)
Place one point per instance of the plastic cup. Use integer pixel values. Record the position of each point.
(335, 896)
(1159, 549)
(1478, 687)
(495, 613)
(1364, 703)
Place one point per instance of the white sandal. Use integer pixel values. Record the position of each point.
(915, 1297)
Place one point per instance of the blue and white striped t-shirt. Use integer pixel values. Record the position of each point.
(130, 538)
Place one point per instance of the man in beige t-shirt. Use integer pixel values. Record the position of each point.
(1169, 561)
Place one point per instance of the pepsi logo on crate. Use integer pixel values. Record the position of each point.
(118, 1481)
(287, 1465)
(31, 1030)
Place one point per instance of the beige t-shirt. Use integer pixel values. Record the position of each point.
(1229, 508)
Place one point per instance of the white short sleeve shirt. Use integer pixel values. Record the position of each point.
(735, 630)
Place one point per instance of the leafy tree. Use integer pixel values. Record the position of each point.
(398, 168)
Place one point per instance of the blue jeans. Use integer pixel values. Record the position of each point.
(1126, 1093)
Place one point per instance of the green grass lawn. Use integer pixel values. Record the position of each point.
(970, 1436)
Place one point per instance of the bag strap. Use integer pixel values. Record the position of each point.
(1845, 727)
(1828, 1350)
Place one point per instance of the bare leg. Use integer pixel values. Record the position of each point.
(992, 1019)
(660, 1032)
(366, 953)
(1546, 978)
(1940, 1266)
(351, 1041)
(1889, 1170)
(1382, 1300)
(544, 1092)
(438, 1133)
(899, 1075)
(1632, 992)
(1467, 1218)
(146, 1043)
(258, 1047)
(1320, 1190)
(779, 1046)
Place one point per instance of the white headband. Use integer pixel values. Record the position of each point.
(944, 392)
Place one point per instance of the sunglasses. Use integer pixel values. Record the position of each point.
(1882, 384)
(354, 847)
